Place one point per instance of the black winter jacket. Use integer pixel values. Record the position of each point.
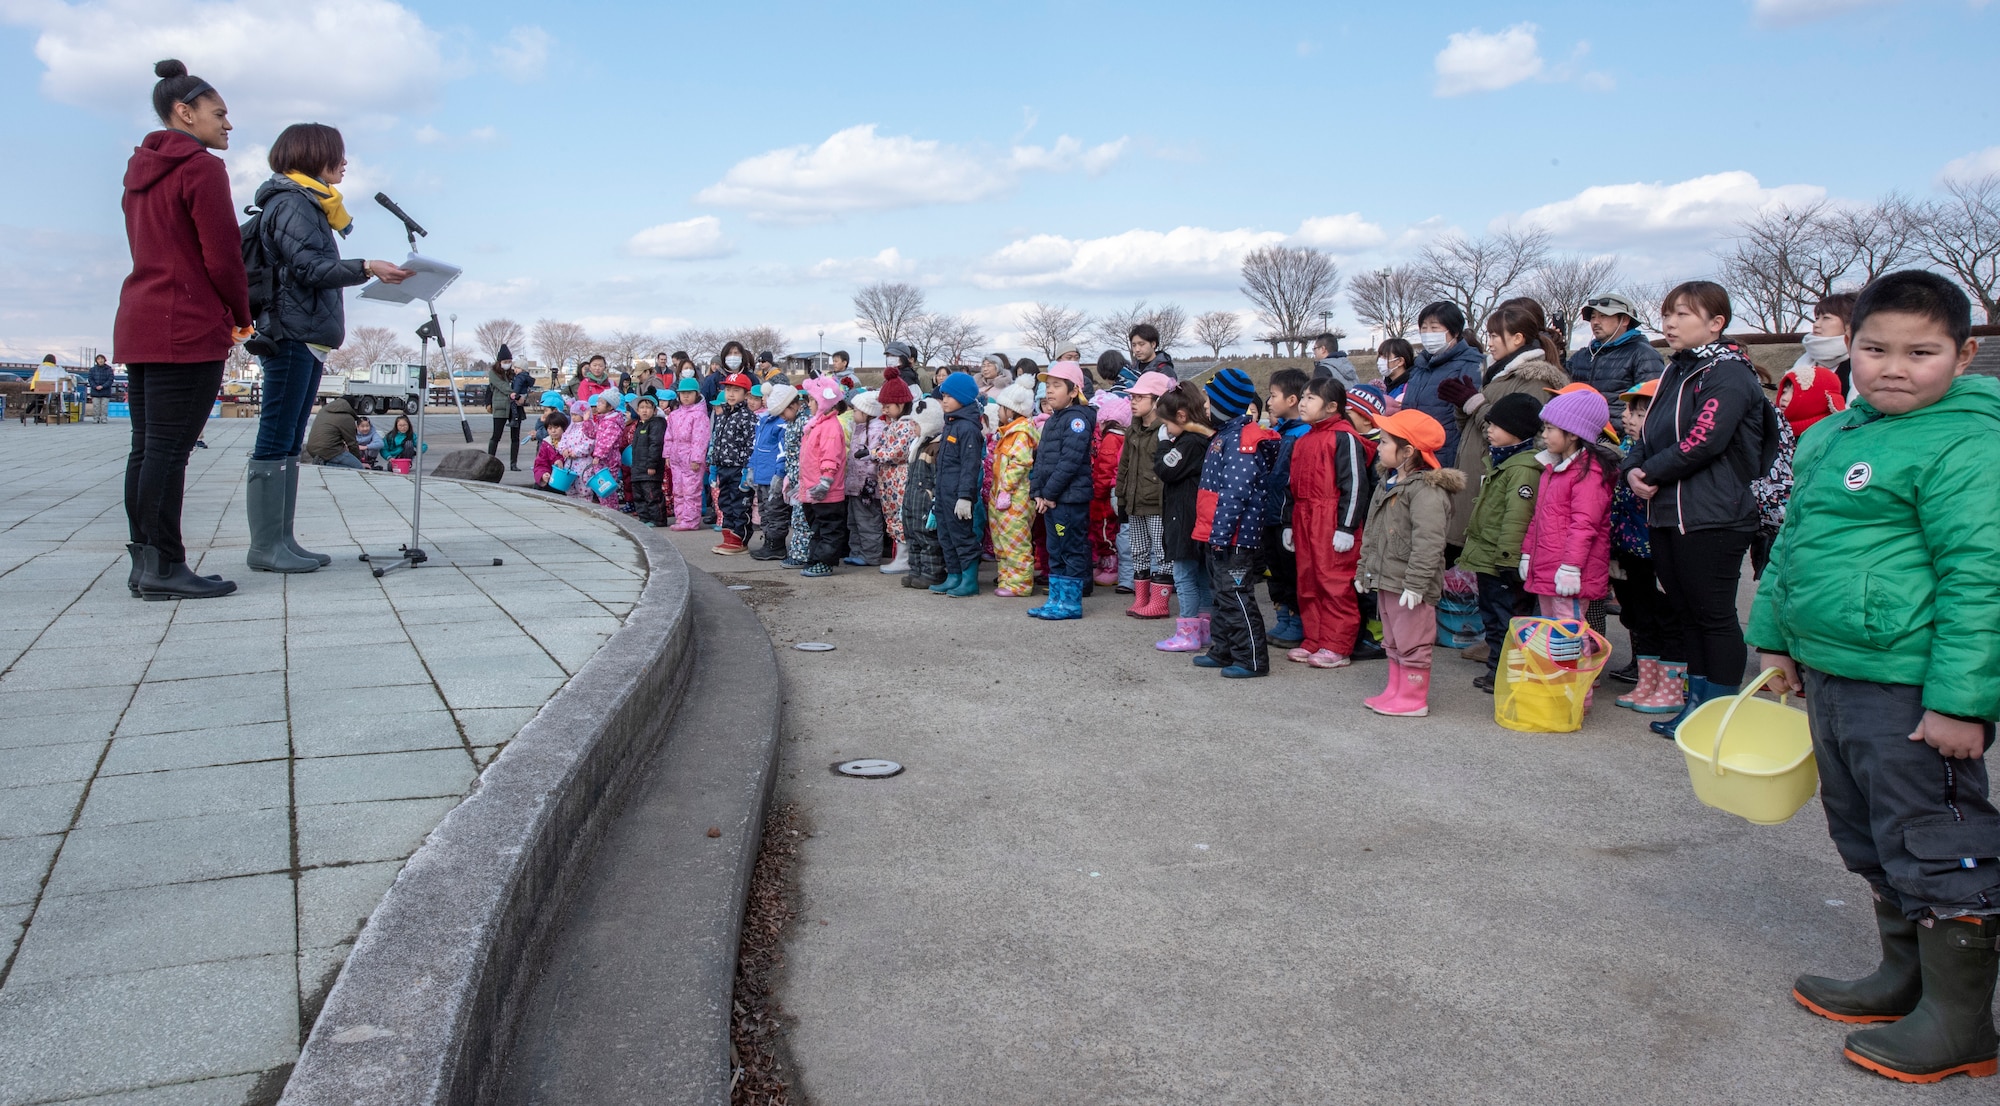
(1457, 359)
(1062, 469)
(1162, 362)
(649, 444)
(1178, 463)
(1708, 434)
(732, 436)
(961, 462)
(1616, 365)
(307, 306)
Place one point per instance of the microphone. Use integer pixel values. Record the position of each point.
(383, 199)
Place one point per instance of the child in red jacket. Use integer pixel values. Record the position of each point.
(1331, 483)
(1114, 414)
(1566, 556)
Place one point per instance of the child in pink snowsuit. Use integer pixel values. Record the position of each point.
(607, 434)
(578, 448)
(687, 453)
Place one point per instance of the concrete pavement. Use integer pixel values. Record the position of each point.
(201, 803)
(1108, 877)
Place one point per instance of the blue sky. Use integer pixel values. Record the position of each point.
(633, 167)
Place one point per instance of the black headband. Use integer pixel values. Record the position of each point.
(201, 89)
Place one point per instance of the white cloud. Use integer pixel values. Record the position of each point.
(1474, 61)
(693, 239)
(369, 57)
(889, 263)
(858, 170)
(1149, 260)
(525, 54)
(1615, 215)
(1790, 13)
(1974, 165)
(1340, 233)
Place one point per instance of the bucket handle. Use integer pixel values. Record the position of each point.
(1722, 728)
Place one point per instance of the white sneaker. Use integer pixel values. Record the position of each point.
(898, 566)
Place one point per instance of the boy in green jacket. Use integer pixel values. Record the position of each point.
(1881, 607)
(1500, 518)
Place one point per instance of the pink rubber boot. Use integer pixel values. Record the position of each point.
(1412, 696)
(1389, 689)
(1186, 639)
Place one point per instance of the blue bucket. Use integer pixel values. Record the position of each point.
(603, 483)
(561, 479)
(628, 456)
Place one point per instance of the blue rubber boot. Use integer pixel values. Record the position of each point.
(1065, 600)
(1697, 694)
(949, 582)
(967, 584)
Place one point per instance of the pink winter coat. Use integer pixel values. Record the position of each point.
(607, 431)
(1572, 526)
(823, 454)
(687, 436)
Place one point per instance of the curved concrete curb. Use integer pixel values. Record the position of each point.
(428, 999)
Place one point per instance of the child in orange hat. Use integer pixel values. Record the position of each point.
(1402, 558)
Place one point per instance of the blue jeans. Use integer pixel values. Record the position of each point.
(346, 461)
(1192, 587)
(291, 380)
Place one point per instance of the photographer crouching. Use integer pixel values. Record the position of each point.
(301, 212)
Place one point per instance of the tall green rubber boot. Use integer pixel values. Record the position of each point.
(1951, 1030)
(1890, 992)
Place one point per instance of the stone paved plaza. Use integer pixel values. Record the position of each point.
(201, 803)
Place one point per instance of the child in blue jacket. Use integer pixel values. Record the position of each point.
(1229, 516)
(1062, 487)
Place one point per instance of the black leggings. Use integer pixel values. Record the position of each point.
(170, 405)
(1700, 572)
(506, 422)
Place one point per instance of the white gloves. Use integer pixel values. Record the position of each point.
(1360, 586)
(963, 510)
(1524, 566)
(1569, 580)
(1342, 541)
(1409, 599)
(818, 491)
(1286, 539)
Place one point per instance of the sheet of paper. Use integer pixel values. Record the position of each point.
(428, 277)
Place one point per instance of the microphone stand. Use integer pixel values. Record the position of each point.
(413, 554)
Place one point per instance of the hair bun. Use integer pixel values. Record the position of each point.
(169, 69)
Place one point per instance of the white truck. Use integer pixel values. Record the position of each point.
(381, 387)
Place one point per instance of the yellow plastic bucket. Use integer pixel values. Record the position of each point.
(1767, 772)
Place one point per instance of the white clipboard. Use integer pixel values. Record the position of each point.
(428, 277)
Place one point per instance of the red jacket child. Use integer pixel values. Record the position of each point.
(1808, 394)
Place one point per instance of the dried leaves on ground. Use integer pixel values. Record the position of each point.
(755, 1026)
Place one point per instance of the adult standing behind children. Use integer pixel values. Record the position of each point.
(1147, 356)
(176, 312)
(1618, 356)
(1446, 373)
(1525, 362)
(302, 217)
(505, 403)
(1898, 660)
(1708, 434)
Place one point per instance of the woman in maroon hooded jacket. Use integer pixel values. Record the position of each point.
(183, 307)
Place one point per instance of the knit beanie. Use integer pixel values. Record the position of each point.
(1582, 413)
(1518, 413)
(895, 391)
(961, 387)
(1230, 392)
(1369, 398)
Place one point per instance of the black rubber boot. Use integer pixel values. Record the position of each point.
(139, 565)
(1888, 993)
(1951, 1030)
(161, 579)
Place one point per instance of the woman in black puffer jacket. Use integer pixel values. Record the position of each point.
(305, 321)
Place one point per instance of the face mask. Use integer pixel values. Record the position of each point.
(1825, 349)
(733, 361)
(1435, 341)
(893, 361)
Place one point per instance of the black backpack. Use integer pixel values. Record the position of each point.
(257, 263)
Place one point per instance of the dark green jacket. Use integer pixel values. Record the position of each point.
(1500, 517)
(1888, 566)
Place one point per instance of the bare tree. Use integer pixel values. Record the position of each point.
(557, 343)
(1646, 297)
(1477, 273)
(887, 308)
(924, 333)
(1786, 259)
(1878, 239)
(1961, 234)
(1218, 330)
(370, 345)
(1291, 287)
(1051, 327)
(763, 339)
(627, 346)
(697, 342)
(1390, 298)
(1562, 284)
(1114, 329)
(494, 333)
(958, 336)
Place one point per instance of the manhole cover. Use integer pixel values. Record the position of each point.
(868, 769)
(739, 587)
(814, 647)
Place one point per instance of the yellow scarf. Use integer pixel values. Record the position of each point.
(329, 199)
